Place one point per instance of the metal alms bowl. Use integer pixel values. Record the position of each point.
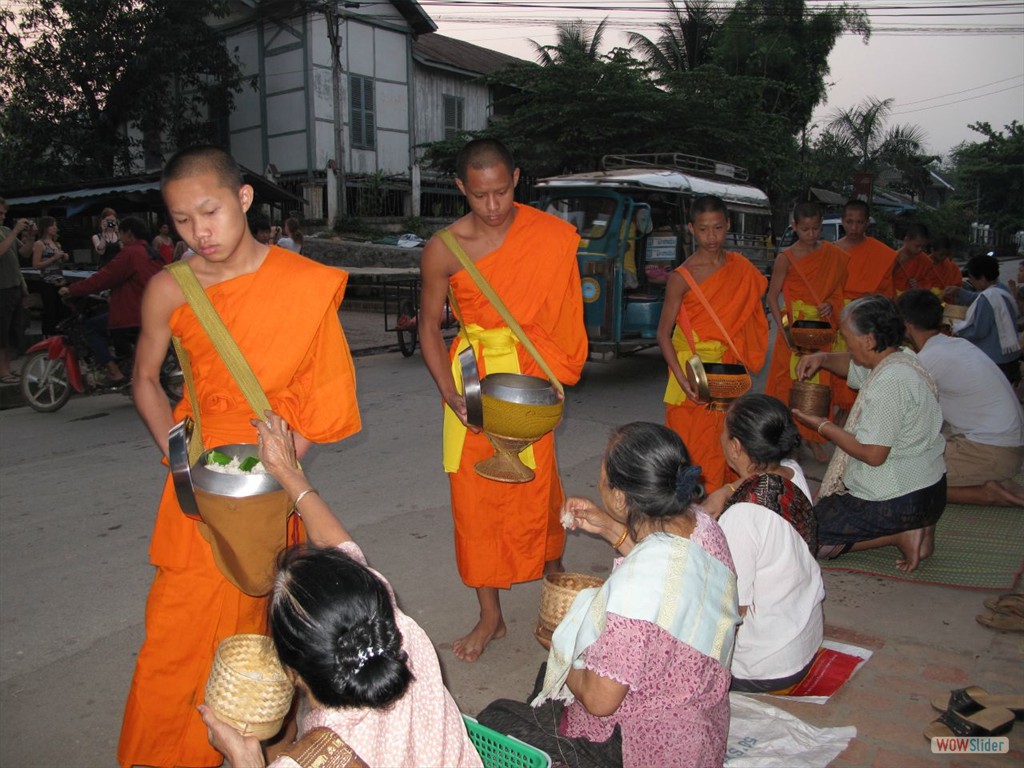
(813, 335)
(235, 486)
(519, 406)
(727, 380)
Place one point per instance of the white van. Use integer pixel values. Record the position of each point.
(831, 230)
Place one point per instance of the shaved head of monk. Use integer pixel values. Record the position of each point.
(481, 154)
(200, 159)
(708, 204)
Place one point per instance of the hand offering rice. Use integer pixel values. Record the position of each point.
(232, 465)
(567, 518)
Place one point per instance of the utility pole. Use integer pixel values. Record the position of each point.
(333, 20)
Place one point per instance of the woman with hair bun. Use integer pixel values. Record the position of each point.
(369, 672)
(638, 672)
(769, 524)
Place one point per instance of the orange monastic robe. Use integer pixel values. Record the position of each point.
(868, 271)
(284, 318)
(825, 270)
(504, 532)
(735, 292)
(928, 274)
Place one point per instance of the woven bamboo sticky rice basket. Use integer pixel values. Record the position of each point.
(560, 589)
(811, 398)
(248, 688)
(953, 312)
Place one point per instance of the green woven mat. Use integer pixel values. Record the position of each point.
(975, 548)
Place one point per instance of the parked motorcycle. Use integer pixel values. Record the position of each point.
(57, 367)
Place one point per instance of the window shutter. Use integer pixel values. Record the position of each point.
(453, 116)
(361, 107)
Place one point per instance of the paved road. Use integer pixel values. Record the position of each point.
(78, 492)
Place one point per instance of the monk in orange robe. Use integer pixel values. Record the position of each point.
(810, 276)
(282, 310)
(504, 532)
(868, 271)
(916, 268)
(935, 271)
(734, 289)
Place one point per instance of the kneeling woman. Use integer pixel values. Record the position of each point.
(369, 671)
(643, 662)
(769, 524)
(886, 482)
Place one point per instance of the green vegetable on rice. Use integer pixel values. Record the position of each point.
(248, 463)
(216, 457)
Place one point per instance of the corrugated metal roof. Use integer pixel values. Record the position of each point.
(449, 53)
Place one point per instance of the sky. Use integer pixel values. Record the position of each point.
(946, 63)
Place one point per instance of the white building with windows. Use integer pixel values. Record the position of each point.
(394, 86)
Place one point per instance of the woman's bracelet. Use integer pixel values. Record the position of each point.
(622, 538)
(820, 426)
(300, 497)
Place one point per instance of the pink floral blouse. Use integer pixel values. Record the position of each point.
(676, 712)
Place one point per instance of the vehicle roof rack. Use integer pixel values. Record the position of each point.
(676, 161)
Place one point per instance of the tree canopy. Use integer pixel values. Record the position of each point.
(990, 175)
(739, 87)
(93, 85)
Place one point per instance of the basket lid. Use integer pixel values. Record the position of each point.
(697, 377)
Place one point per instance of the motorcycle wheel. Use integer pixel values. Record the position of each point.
(172, 380)
(407, 336)
(44, 383)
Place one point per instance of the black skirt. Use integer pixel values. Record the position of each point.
(845, 519)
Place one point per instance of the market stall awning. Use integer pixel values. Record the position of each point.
(124, 193)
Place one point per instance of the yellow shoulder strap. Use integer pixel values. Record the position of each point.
(481, 282)
(225, 345)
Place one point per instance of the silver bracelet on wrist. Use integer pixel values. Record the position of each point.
(300, 497)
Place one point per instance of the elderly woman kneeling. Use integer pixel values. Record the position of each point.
(886, 483)
(641, 664)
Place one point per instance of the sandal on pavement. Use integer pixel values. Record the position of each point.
(1004, 622)
(993, 721)
(11, 378)
(967, 701)
(1009, 603)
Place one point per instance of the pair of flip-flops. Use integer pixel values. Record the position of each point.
(973, 711)
(11, 378)
(1006, 613)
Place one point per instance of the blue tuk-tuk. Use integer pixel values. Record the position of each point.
(632, 218)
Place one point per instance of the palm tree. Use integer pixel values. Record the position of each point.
(685, 40)
(862, 129)
(575, 42)
(863, 132)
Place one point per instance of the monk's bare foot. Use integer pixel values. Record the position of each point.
(554, 566)
(470, 647)
(927, 543)
(1008, 492)
(909, 544)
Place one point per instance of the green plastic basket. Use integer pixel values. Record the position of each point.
(498, 751)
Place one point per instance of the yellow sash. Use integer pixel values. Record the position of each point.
(497, 346)
(710, 351)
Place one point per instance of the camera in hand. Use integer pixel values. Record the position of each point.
(110, 224)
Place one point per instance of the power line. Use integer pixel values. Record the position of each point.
(958, 101)
(966, 90)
